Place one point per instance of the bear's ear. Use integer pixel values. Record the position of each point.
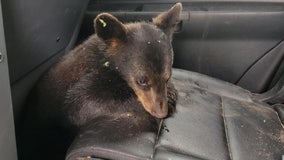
(168, 20)
(109, 28)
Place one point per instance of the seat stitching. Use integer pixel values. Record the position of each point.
(226, 129)
(157, 137)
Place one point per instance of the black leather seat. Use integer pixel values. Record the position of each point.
(215, 120)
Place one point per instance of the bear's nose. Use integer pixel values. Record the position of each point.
(160, 110)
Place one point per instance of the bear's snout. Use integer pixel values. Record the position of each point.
(160, 109)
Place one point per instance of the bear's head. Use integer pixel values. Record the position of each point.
(143, 55)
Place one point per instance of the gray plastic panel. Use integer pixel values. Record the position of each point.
(7, 133)
(270, 62)
(37, 33)
(35, 30)
(226, 45)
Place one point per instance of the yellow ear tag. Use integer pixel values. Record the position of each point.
(103, 22)
(106, 64)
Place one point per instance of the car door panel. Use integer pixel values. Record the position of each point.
(227, 45)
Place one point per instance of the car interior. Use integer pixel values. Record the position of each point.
(228, 70)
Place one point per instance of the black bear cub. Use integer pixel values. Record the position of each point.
(123, 69)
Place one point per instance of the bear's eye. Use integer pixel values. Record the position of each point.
(143, 82)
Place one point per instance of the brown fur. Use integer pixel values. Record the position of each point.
(122, 68)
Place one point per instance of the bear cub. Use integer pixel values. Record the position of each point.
(122, 70)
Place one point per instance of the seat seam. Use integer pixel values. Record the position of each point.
(157, 138)
(226, 129)
(172, 150)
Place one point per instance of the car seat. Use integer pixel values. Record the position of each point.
(214, 119)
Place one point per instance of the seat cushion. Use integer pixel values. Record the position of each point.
(214, 120)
